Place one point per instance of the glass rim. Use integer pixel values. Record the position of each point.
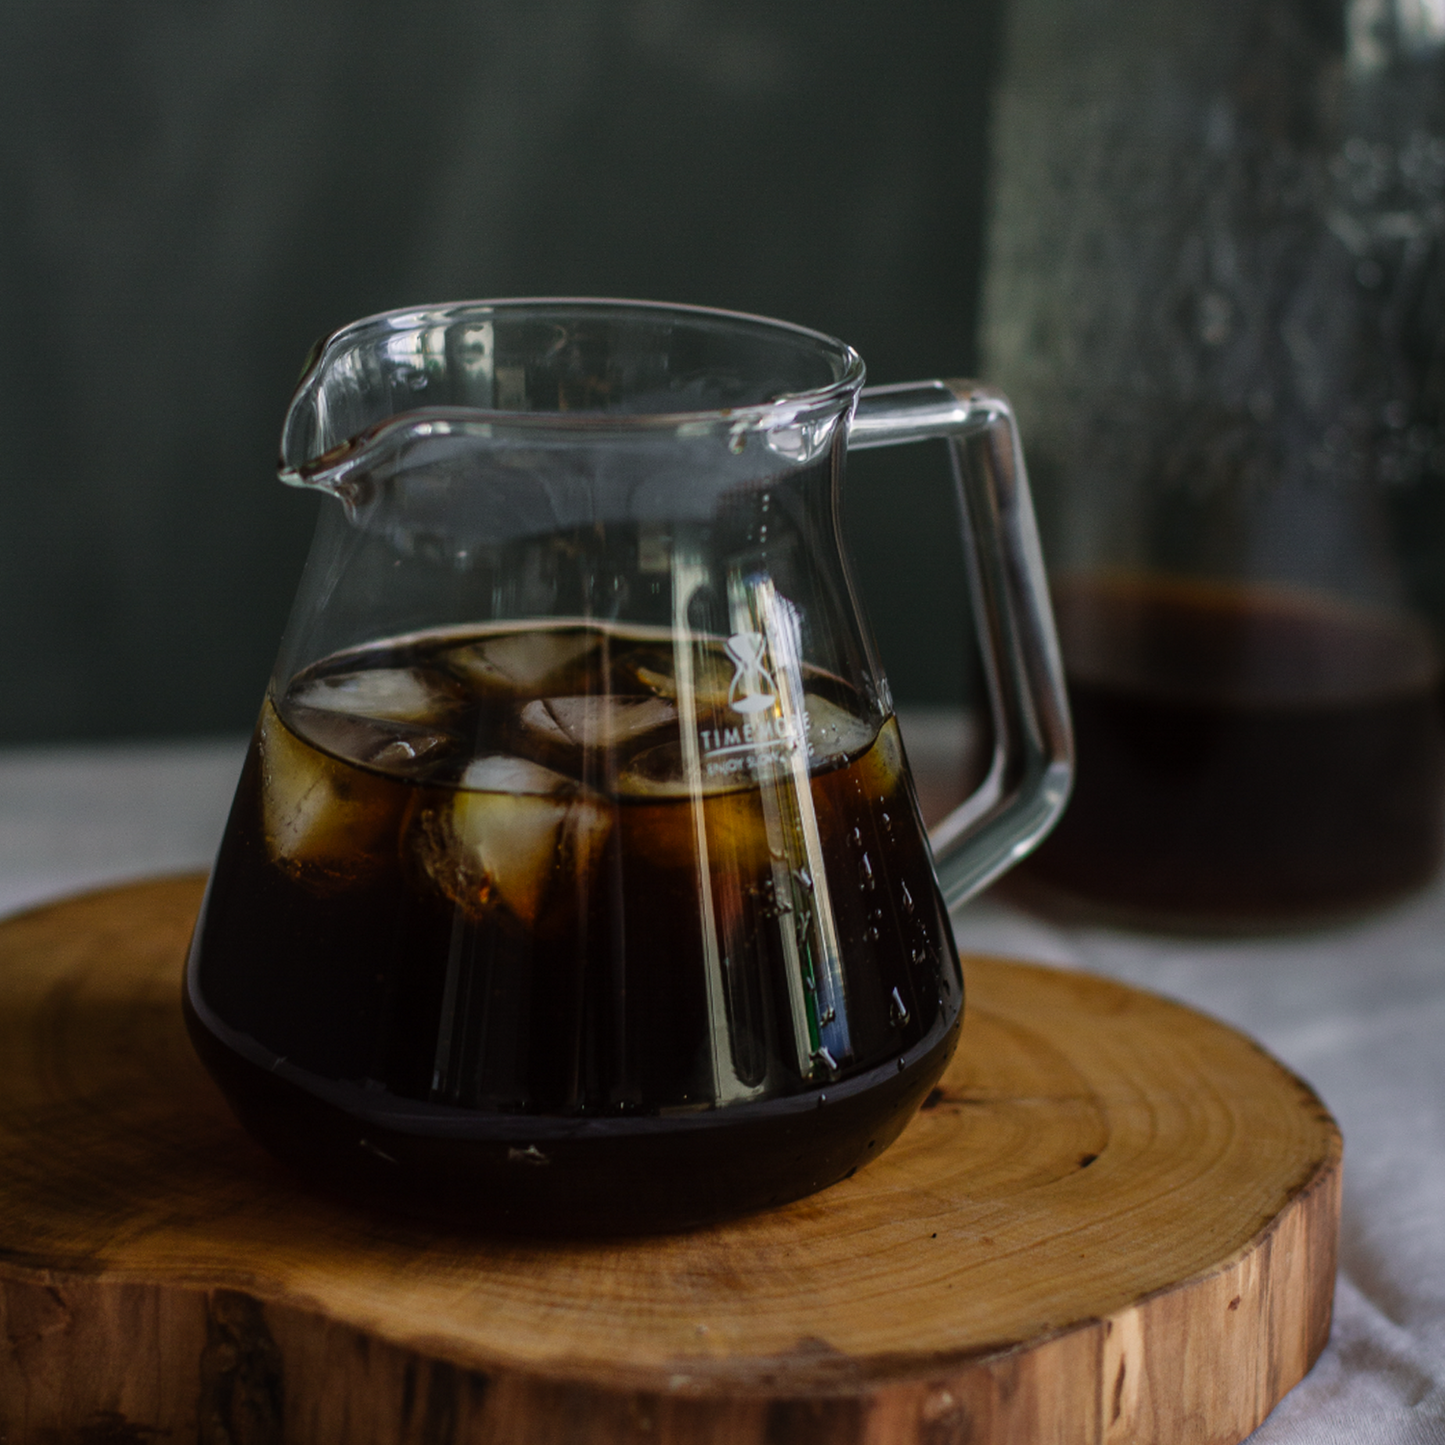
(780, 410)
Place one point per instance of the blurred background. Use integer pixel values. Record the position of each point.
(1221, 247)
(195, 192)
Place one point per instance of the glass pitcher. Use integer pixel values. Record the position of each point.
(1216, 292)
(575, 879)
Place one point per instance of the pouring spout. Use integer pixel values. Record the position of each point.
(334, 471)
(366, 387)
(348, 469)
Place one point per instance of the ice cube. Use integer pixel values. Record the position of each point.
(656, 670)
(411, 751)
(833, 731)
(543, 736)
(662, 812)
(555, 730)
(325, 823)
(514, 836)
(661, 772)
(389, 694)
(880, 770)
(504, 773)
(392, 747)
(524, 663)
(598, 722)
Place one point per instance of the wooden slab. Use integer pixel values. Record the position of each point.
(1116, 1220)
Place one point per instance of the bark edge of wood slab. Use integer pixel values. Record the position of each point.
(1115, 1219)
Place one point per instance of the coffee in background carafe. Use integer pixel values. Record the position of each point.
(1216, 293)
(1248, 755)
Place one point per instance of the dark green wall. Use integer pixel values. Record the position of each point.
(191, 193)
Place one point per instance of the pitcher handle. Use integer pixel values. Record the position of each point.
(1033, 756)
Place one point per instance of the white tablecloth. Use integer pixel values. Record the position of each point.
(1358, 1010)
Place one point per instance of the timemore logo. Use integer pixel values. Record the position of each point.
(753, 689)
(745, 748)
(754, 694)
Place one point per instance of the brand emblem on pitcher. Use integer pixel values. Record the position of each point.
(753, 688)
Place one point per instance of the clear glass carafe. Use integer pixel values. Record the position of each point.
(1216, 292)
(575, 879)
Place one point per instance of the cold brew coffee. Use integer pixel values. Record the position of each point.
(573, 928)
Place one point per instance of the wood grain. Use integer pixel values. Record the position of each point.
(1115, 1220)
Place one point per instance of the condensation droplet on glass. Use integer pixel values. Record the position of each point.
(906, 898)
(897, 1010)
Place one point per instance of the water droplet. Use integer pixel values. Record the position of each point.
(897, 1010)
(772, 905)
(907, 898)
(867, 872)
(902, 1063)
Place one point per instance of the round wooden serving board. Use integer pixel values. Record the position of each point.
(1115, 1220)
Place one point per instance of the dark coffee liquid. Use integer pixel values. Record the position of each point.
(518, 927)
(1244, 755)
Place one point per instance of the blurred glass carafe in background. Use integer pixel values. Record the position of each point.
(1216, 294)
(575, 880)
